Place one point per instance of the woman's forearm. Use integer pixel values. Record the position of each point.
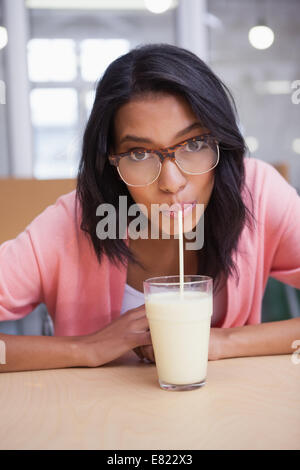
(129, 331)
(261, 340)
(20, 353)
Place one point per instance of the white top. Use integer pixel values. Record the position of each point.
(133, 298)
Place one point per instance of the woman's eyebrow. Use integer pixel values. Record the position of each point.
(135, 138)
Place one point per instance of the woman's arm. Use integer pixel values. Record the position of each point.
(254, 340)
(280, 217)
(20, 353)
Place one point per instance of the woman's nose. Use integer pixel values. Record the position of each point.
(171, 179)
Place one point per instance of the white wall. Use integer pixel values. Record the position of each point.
(273, 119)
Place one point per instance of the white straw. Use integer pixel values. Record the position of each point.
(181, 259)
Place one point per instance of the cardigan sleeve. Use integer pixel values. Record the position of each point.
(20, 282)
(30, 264)
(286, 260)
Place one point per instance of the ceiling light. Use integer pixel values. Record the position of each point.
(3, 37)
(273, 87)
(261, 37)
(296, 145)
(158, 6)
(138, 5)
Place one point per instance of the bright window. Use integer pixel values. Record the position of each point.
(54, 114)
(97, 54)
(89, 100)
(61, 73)
(56, 150)
(54, 107)
(51, 60)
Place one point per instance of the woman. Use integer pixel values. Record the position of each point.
(155, 107)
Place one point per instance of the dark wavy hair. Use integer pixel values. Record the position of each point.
(159, 68)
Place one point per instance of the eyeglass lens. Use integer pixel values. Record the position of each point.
(141, 168)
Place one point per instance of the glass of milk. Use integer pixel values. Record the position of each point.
(179, 317)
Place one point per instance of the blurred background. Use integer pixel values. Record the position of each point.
(53, 52)
(57, 50)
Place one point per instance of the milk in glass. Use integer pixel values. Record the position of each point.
(180, 327)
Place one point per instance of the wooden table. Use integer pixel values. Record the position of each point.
(247, 403)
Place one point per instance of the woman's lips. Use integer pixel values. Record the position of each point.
(186, 208)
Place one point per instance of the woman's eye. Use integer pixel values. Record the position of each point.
(138, 156)
(194, 146)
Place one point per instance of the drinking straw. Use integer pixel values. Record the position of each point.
(181, 259)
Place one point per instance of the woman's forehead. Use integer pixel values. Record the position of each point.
(152, 116)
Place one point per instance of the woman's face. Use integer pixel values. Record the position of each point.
(158, 121)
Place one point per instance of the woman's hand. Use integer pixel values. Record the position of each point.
(145, 352)
(129, 331)
(215, 350)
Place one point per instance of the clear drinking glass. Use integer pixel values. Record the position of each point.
(179, 324)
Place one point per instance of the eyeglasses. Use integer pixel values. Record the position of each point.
(142, 167)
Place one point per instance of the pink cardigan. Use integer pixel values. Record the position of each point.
(53, 262)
